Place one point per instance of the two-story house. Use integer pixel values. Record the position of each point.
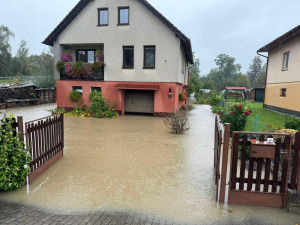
(282, 90)
(146, 57)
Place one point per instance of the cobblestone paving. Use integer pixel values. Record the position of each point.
(19, 214)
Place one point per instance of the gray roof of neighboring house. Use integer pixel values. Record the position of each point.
(185, 41)
(292, 34)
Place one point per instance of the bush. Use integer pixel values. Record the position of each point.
(236, 115)
(178, 122)
(214, 99)
(97, 67)
(60, 66)
(77, 69)
(102, 107)
(182, 97)
(75, 96)
(217, 109)
(46, 81)
(292, 122)
(14, 159)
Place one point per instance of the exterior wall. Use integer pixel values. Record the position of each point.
(290, 102)
(277, 79)
(144, 29)
(275, 73)
(162, 104)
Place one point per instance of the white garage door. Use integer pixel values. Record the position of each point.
(137, 101)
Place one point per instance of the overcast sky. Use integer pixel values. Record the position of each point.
(234, 27)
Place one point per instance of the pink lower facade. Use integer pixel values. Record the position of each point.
(165, 102)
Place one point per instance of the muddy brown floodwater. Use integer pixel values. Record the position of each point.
(133, 164)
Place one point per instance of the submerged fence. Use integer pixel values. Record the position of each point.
(45, 141)
(260, 171)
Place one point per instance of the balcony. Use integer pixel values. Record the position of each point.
(94, 77)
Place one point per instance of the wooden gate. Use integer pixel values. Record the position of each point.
(222, 135)
(45, 141)
(260, 176)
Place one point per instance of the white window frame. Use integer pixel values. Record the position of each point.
(286, 61)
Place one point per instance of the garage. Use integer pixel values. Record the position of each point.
(139, 101)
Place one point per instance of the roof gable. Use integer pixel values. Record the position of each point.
(292, 34)
(185, 41)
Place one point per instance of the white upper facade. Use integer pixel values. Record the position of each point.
(144, 29)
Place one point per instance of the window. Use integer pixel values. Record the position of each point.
(103, 17)
(283, 92)
(128, 57)
(149, 57)
(286, 58)
(77, 88)
(95, 89)
(123, 15)
(85, 55)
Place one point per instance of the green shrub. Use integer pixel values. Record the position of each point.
(236, 115)
(102, 107)
(217, 109)
(77, 69)
(46, 81)
(75, 96)
(292, 122)
(60, 66)
(14, 159)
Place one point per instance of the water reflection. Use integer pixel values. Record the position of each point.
(134, 164)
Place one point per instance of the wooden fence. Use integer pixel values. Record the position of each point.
(255, 180)
(45, 141)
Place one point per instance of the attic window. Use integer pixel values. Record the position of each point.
(286, 59)
(103, 17)
(123, 15)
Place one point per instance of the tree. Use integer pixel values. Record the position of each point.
(5, 51)
(21, 63)
(260, 80)
(194, 79)
(254, 69)
(226, 73)
(243, 81)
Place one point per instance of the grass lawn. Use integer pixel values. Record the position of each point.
(7, 81)
(268, 121)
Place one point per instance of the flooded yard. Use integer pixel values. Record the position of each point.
(133, 164)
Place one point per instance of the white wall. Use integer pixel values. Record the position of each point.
(275, 73)
(144, 29)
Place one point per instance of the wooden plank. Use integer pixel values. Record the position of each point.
(224, 162)
(258, 174)
(270, 182)
(38, 172)
(63, 131)
(243, 162)
(29, 144)
(285, 164)
(276, 164)
(267, 175)
(20, 127)
(250, 174)
(36, 163)
(39, 143)
(295, 183)
(256, 198)
(234, 161)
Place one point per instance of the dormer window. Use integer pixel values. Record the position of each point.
(123, 15)
(103, 17)
(286, 59)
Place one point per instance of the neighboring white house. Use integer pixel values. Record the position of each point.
(146, 57)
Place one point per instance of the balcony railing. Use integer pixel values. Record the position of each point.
(94, 77)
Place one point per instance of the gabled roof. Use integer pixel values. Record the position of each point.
(292, 34)
(185, 41)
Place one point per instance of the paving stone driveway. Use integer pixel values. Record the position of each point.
(15, 214)
(19, 214)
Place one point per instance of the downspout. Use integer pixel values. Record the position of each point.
(267, 57)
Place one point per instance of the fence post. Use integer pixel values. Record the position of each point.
(224, 162)
(20, 127)
(297, 149)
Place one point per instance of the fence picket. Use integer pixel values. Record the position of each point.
(276, 164)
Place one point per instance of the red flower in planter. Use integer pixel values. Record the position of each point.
(220, 113)
(247, 113)
(231, 113)
(235, 106)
